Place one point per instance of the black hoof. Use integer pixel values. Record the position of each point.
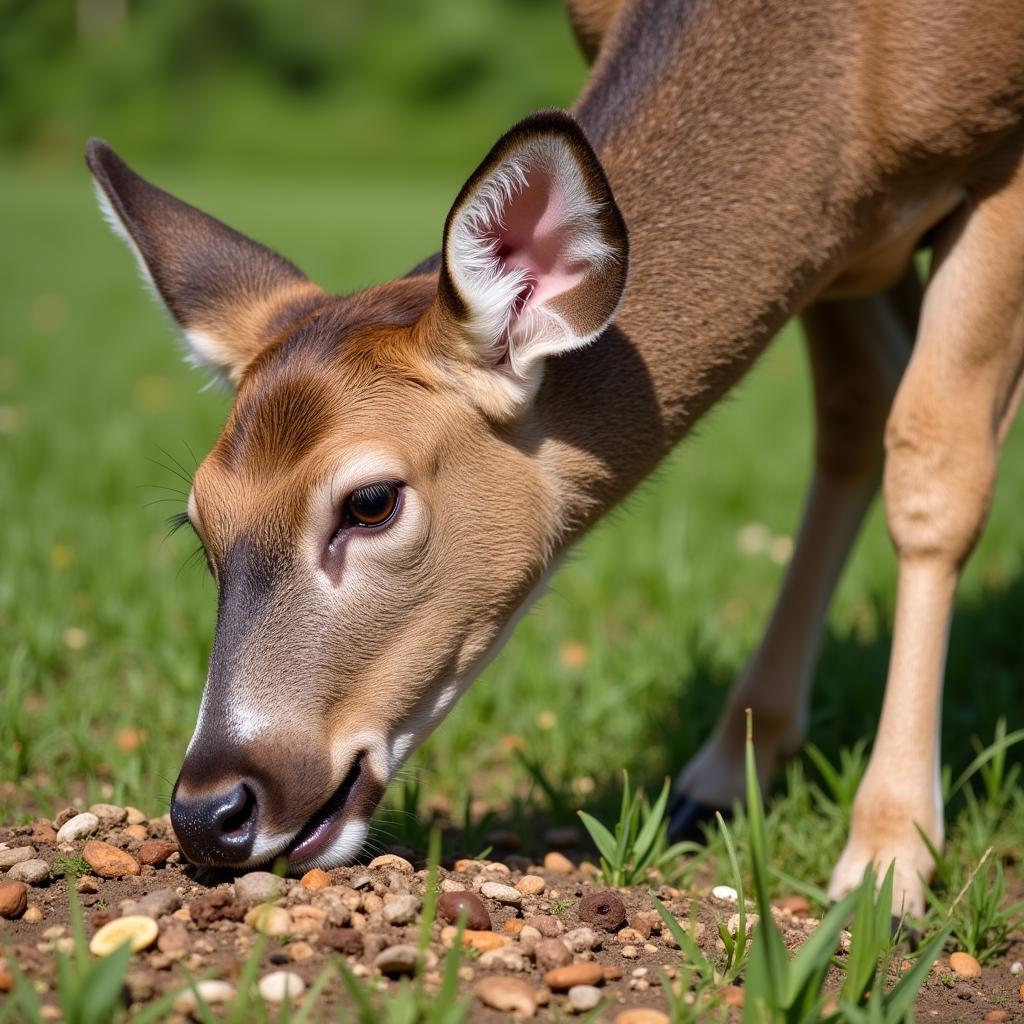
(689, 820)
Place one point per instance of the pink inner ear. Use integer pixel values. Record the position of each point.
(536, 235)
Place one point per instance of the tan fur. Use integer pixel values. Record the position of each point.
(770, 159)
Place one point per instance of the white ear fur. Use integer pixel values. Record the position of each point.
(516, 326)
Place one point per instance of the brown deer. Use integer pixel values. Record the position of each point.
(403, 466)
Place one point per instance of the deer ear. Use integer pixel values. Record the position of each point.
(535, 251)
(229, 294)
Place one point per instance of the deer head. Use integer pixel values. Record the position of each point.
(377, 507)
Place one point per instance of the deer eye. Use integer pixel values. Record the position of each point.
(373, 505)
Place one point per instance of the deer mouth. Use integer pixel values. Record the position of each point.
(355, 798)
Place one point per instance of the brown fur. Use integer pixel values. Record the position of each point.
(770, 158)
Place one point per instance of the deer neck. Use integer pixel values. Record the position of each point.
(735, 217)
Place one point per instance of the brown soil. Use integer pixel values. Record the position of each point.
(209, 918)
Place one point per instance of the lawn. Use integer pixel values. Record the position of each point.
(106, 621)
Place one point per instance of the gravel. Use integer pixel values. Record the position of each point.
(77, 827)
(258, 887)
(34, 872)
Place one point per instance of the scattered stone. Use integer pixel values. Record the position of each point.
(503, 958)
(964, 965)
(579, 940)
(258, 887)
(641, 1015)
(396, 961)
(134, 816)
(531, 885)
(76, 827)
(547, 924)
(315, 880)
(33, 915)
(997, 1015)
(13, 899)
(402, 909)
(108, 861)
(558, 863)
(211, 992)
(87, 885)
(140, 932)
(157, 903)
(798, 906)
(345, 940)
(630, 952)
(34, 872)
(173, 941)
(215, 906)
(391, 862)
(156, 851)
(338, 903)
(502, 893)
(551, 953)
(281, 986)
(584, 997)
(725, 892)
(299, 952)
(629, 936)
(561, 979)
(507, 995)
(8, 858)
(269, 920)
(612, 973)
(43, 833)
(1017, 967)
(451, 904)
(603, 909)
(137, 832)
(109, 814)
(480, 941)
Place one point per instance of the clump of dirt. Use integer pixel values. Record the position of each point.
(546, 939)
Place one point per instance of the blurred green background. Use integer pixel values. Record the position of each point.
(339, 133)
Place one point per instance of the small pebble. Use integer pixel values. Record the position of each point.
(34, 871)
(507, 995)
(173, 941)
(300, 951)
(140, 986)
(280, 986)
(725, 892)
(603, 909)
(396, 961)
(258, 887)
(1016, 967)
(531, 885)
(558, 863)
(315, 880)
(108, 861)
(546, 924)
(75, 828)
(451, 904)
(561, 979)
(964, 965)
(630, 952)
(402, 909)
(502, 893)
(798, 906)
(156, 851)
(503, 959)
(584, 997)
(109, 814)
(269, 920)
(551, 953)
(8, 858)
(732, 995)
(157, 903)
(641, 1015)
(13, 899)
(211, 992)
(139, 931)
(579, 940)
(32, 916)
(997, 1015)
(391, 862)
(344, 940)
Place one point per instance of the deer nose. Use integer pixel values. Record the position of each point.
(219, 828)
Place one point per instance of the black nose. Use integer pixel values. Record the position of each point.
(217, 829)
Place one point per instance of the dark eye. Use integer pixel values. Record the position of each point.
(372, 505)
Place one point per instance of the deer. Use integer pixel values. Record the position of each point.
(403, 467)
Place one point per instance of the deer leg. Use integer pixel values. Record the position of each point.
(858, 349)
(942, 441)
